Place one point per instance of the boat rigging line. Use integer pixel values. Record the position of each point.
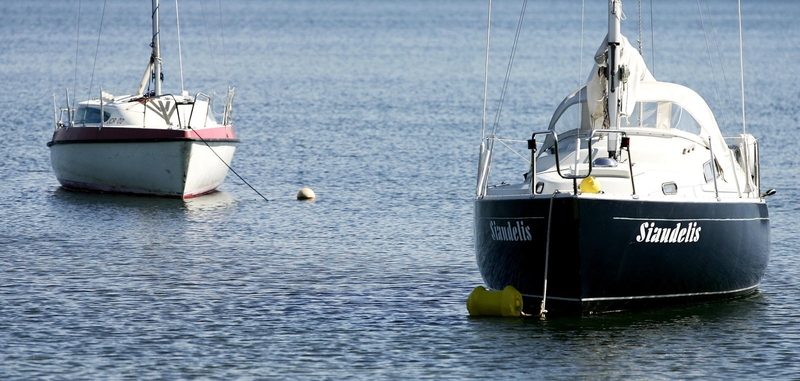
(741, 66)
(483, 167)
(208, 39)
(652, 42)
(508, 69)
(577, 109)
(486, 74)
(226, 164)
(482, 150)
(640, 27)
(97, 48)
(77, 49)
(710, 60)
(719, 55)
(580, 53)
(222, 35)
(180, 55)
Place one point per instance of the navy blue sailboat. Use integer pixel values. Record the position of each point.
(632, 198)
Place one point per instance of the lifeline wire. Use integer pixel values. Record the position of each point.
(226, 164)
(503, 142)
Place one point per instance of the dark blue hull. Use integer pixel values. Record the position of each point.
(608, 255)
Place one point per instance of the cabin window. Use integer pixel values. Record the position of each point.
(90, 115)
(663, 115)
(574, 117)
(708, 171)
(669, 188)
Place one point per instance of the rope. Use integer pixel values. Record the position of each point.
(226, 164)
(542, 309)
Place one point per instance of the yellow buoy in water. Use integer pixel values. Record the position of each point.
(482, 302)
(590, 185)
(306, 194)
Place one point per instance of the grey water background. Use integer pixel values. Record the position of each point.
(376, 106)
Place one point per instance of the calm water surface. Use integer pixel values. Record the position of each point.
(376, 106)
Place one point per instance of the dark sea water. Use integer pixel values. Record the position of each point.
(376, 106)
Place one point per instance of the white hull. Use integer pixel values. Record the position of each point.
(180, 168)
(148, 142)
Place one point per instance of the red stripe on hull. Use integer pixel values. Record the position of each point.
(86, 134)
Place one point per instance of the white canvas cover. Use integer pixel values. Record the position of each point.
(596, 84)
(690, 101)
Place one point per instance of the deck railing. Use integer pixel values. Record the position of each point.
(65, 116)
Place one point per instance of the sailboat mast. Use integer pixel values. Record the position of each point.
(156, 50)
(614, 50)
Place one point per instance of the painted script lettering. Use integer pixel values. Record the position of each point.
(650, 233)
(508, 232)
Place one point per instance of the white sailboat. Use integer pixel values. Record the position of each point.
(148, 143)
(641, 202)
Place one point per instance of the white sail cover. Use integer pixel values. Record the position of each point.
(596, 84)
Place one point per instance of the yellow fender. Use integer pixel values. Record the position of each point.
(590, 185)
(482, 302)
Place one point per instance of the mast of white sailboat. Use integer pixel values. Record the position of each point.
(156, 50)
(614, 47)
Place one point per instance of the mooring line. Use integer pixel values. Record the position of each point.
(542, 310)
(226, 164)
